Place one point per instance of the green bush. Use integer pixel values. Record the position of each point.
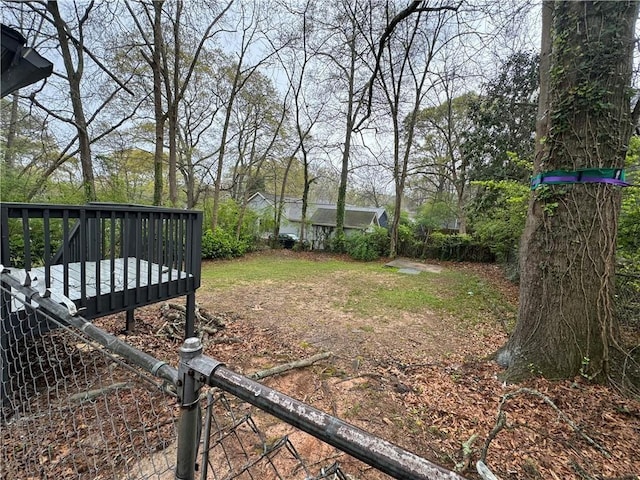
(437, 239)
(409, 244)
(500, 212)
(221, 244)
(380, 239)
(368, 246)
(229, 215)
(362, 246)
(302, 246)
(629, 221)
(338, 244)
(457, 247)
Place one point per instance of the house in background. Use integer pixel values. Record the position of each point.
(356, 219)
(321, 217)
(262, 203)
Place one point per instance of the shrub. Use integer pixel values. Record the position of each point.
(221, 244)
(338, 244)
(368, 246)
(380, 240)
(409, 243)
(499, 216)
(363, 247)
(457, 247)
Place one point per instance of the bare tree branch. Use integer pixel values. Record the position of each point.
(413, 8)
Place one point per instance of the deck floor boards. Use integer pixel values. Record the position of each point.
(103, 277)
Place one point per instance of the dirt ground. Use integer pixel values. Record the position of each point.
(425, 383)
(424, 380)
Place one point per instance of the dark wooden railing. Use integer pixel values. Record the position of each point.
(105, 257)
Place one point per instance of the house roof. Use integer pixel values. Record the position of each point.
(21, 66)
(273, 199)
(355, 217)
(326, 217)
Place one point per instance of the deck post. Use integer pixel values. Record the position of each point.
(131, 321)
(189, 326)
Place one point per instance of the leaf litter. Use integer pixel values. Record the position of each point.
(419, 380)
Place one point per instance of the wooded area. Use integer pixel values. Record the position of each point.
(440, 112)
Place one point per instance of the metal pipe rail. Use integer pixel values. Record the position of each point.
(196, 369)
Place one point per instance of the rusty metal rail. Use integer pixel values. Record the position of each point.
(196, 371)
(372, 450)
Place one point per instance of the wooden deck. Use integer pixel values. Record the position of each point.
(105, 277)
(97, 259)
(105, 258)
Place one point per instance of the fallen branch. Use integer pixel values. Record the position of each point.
(502, 421)
(175, 316)
(209, 330)
(224, 340)
(201, 314)
(467, 451)
(290, 366)
(500, 424)
(91, 394)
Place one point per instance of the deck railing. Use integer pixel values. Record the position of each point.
(104, 257)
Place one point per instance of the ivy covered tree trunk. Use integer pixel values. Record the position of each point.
(566, 323)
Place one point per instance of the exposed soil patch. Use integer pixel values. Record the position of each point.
(420, 379)
(423, 380)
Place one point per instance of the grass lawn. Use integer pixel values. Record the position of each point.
(411, 362)
(372, 289)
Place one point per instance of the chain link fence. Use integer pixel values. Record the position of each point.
(79, 403)
(71, 409)
(234, 446)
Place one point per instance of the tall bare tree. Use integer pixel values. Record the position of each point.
(152, 51)
(71, 40)
(346, 48)
(172, 65)
(305, 111)
(405, 69)
(74, 77)
(440, 150)
(252, 21)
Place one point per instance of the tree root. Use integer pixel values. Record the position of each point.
(501, 421)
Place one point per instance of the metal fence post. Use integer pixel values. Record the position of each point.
(188, 385)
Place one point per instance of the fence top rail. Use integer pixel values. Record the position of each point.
(35, 209)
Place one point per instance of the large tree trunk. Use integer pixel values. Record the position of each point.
(565, 320)
(159, 116)
(305, 196)
(344, 167)
(74, 75)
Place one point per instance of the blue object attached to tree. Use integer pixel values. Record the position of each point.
(612, 176)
